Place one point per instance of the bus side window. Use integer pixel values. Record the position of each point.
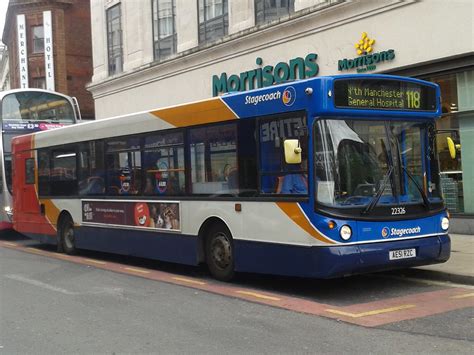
(124, 167)
(276, 176)
(163, 162)
(213, 157)
(44, 170)
(91, 173)
(29, 171)
(63, 177)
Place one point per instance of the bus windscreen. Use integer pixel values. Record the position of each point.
(384, 94)
(33, 107)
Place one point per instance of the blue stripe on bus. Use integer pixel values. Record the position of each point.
(336, 261)
(266, 258)
(170, 247)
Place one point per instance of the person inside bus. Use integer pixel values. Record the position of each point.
(294, 183)
(126, 187)
(150, 188)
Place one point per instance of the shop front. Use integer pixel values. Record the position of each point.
(455, 144)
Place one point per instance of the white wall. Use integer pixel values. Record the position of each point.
(444, 31)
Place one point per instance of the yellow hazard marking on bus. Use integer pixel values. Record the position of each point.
(466, 295)
(52, 212)
(258, 295)
(208, 111)
(188, 280)
(371, 313)
(10, 244)
(293, 211)
(96, 261)
(137, 270)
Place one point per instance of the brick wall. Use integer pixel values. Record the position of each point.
(72, 46)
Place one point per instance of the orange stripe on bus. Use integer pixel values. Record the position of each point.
(52, 212)
(293, 211)
(209, 111)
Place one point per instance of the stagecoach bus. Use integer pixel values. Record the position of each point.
(25, 111)
(324, 177)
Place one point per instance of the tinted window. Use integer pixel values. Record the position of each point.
(123, 161)
(91, 173)
(164, 164)
(63, 177)
(277, 176)
(30, 171)
(213, 152)
(44, 170)
(35, 106)
(247, 177)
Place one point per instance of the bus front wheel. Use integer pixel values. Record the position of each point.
(220, 252)
(67, 239)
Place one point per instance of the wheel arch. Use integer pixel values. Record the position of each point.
(202, 235)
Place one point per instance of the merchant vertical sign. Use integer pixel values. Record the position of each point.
(22, 51)
(48, 50)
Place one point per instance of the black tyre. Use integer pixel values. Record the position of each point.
(66, 234)
(220, 252)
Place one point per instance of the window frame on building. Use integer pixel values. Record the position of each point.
(37, 39)
(164, 45)
(265, 15)
(39, 82)
(206, 23)
(114, 51)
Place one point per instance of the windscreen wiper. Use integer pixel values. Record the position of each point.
(426, 202)
(381, 189)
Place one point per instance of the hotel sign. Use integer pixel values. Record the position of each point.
(22, 51)
(48, 50)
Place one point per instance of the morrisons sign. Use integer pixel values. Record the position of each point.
(296, 68)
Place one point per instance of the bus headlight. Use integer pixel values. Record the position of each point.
(445, 223)
(345, 232)
(8, 210)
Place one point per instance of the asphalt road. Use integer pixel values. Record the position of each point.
(54, 306)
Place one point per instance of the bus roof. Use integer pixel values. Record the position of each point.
(14, 91)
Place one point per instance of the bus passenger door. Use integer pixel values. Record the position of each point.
(26, 199)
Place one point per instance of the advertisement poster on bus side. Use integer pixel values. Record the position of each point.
(150, 215)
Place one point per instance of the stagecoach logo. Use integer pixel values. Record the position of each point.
(367, 60)
(289, 96)
(399, 232)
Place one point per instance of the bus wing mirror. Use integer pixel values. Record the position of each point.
(452, 147)
(292, 151)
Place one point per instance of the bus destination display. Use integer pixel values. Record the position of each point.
(384, 94)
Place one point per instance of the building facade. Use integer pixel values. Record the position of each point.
(156, 53)
(4, 68)
(49, 44)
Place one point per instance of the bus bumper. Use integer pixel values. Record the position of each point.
(340, 261)
(6, 225)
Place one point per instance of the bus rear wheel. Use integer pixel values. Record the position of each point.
(67, 239)
(220, 253)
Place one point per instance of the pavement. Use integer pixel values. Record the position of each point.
(460, 266)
